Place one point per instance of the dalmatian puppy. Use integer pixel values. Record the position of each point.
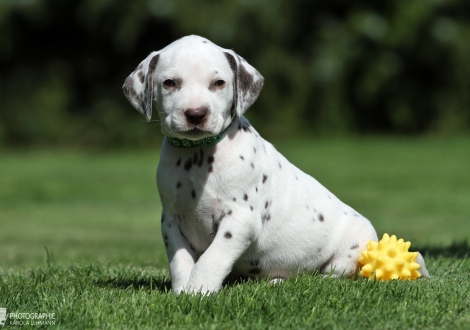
(232, 204)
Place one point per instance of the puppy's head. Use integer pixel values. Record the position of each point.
(198, 87)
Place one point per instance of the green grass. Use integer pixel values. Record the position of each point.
(98, 216)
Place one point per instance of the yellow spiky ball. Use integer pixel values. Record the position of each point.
(389, 259)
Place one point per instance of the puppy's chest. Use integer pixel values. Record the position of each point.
(201, 188)
(186, 187)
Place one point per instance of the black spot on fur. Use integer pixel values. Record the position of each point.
(145, 102)
(178, 185)
(242, 158)
(255, 271)
(254, 149)
(233, 65)
(188, 164)
(256, 189)
(222, 215)
(296, 177)
(234, 199)
(266, 217)
(321, 217)
(355, 246)
(253, 166)
(193, 194)
(181, 232)
(204, 42)
(229, 212)
(326, 264)
(251, 207)
(280, 166)
(141, 76)
(245, 197)
(178, 163)
(201, 158)
(228, 235)
(211, 169)
(246, 79)
(244, 125)
(210, 159)
(215, 226)
(255, 268)
(266, 205)
(265, 177)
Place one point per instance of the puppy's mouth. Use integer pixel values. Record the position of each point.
(197, 133)
(194, 133)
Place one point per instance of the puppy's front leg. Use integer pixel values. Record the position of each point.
(234, 236)
(180, 254)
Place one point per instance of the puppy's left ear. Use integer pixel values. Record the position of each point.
(139, 87)
(247, 82)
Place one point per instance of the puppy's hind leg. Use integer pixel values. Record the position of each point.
(337, 266)
(358, 231)
(422, 270)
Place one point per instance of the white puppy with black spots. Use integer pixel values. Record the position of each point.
(232, 204)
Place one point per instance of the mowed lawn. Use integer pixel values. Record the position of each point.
(80, 237)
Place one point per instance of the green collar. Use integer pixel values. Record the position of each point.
(206, 142)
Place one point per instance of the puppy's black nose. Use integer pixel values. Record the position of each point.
(196, 115)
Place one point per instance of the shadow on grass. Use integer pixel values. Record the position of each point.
(458, 250)
(154, 283)
(150, 284)
(164, 286)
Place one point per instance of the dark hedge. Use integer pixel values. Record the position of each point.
(331, 67)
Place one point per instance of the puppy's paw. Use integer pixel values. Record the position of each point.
(204, 290)
(276, 281)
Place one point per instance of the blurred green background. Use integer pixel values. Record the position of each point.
(331, 67)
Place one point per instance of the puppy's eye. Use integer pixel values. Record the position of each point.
(169, 83)
(219, 83)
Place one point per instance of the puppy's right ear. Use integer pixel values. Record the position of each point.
(247, 82)
(139, 87)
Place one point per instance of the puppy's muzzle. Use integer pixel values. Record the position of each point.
(196, 116)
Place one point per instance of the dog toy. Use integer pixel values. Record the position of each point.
(389, 259)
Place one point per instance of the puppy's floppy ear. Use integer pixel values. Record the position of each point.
(139, 87)
(247, 82)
